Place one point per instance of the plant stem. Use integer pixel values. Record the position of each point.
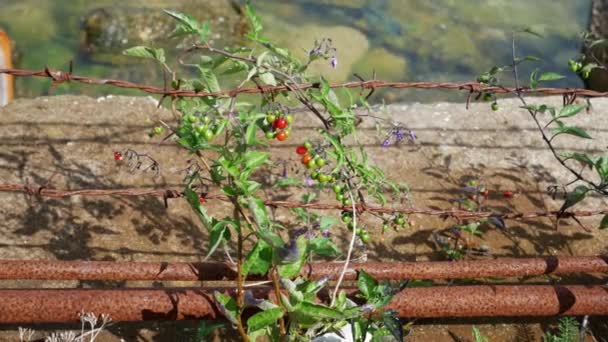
(274, 274)
(350, 248)
(240, 298)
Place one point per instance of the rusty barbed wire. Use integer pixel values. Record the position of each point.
(44, 191)
(59, 77)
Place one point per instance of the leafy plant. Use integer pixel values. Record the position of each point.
(567, 331)
(590, 173)
(227, 135)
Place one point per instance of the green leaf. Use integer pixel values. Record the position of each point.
(477, 336)
(601, 165)
(260, 214)
(534, 79)
(574, 197)
(527, 59)
(581, 158)
(259, 260)
(287, 182)
(265, 318)
(219, 232)
(205, 328)
(268, 78)
(255, 159)
(571, 130)
(254, 20)
(210, 79)
(570, 110)
(324, 246)
(227, 306)
(531, 31)
(293, 269)
(325, 88)
(318, 311)
(146, 52)
(366, 284)
(327, 222)
(604, 223)
(270, 237)
(193, 199)
(189, 25)
(250, 134)
(550, 76)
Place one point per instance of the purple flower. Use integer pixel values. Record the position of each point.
(399, 135)
(367, 308)
(289, 253)
(284, 171)
(309, 181)
(250, 299)
(326, 233)
(386, 142)
(333, 62)
(412, 136)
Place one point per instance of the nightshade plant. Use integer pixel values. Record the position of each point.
(227, 135)
(589, 173)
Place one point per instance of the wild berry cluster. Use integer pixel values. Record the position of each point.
(277, 125)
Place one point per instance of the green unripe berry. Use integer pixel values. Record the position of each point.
(400, 221)
(308, 145)
(270, 118)
(340, 197)
(314, 175)
(385, 228)
(323, 178)
(206, 119)
(494, 106)
(289, 118)
(158, 130)
(320, 162)
(586, 74)
(346, 218)
(208, 134)
(189, 118)
(269, 135)
(337, 189)
(311, 165)
(347, 202)
(365, 237)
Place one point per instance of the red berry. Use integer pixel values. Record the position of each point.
(201, 200)
(281, 136)
(485, 193)
(301, 150)
(306, 158)
(281, 123)
(117, 156)
(508, 194)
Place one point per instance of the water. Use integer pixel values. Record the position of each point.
(407, 40)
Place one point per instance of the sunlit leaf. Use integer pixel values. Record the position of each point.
(265, 318)
(146, 52)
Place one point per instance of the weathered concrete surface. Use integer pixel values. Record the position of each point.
(70, 141)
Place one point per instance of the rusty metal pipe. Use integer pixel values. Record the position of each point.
(501, 300)
(109, 270)
(59, 306)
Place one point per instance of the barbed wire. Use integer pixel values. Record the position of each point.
(59, 77)
(166, 194)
